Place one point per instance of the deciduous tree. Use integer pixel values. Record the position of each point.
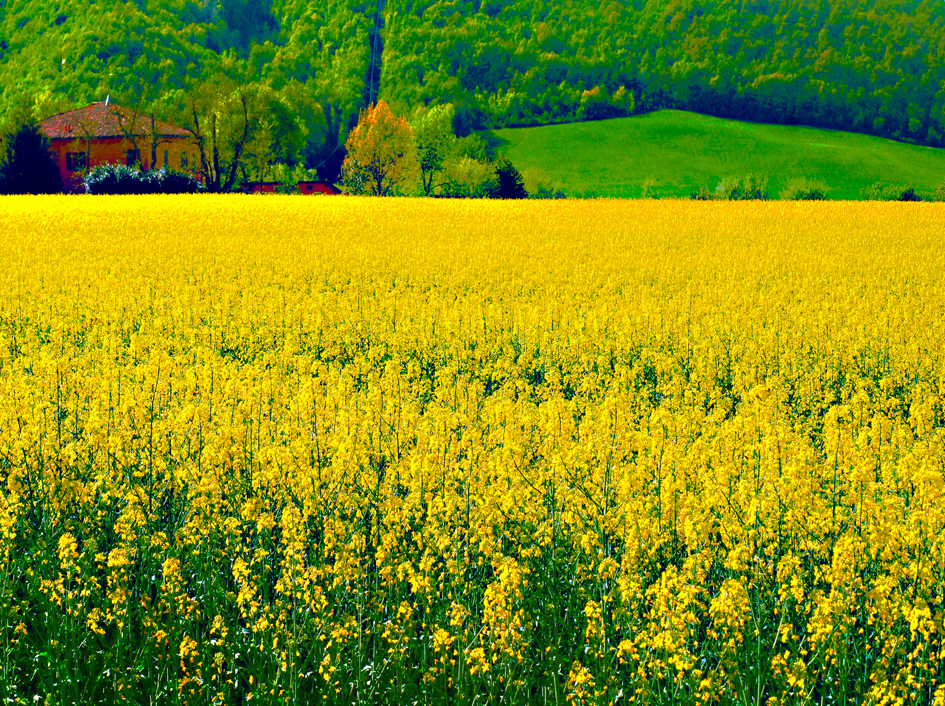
(234, 123)
(278, 134)
(435, 142)
(381, 152)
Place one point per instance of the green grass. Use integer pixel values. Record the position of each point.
(670, 153)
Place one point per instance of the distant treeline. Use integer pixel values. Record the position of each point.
(874, 66)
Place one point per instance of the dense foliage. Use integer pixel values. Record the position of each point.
(122, 179)
(870, 66)
(854, 64)
(26, 165)
(363, 451)
(509, 183)
(381, 153)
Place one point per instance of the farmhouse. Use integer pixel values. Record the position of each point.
(103, 133)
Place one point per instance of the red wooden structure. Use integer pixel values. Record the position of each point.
(317, 187)
(303, 187)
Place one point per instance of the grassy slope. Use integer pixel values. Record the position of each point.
(677, 152)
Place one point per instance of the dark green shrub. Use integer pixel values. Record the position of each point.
(876, 192)
(805, 190)
(702, 194)
(113, 179)
(810, 195)
(121, 179)
(169, 181)
(751, 188)
(509, 183)
(26, 164)
(881, 191)
(543, 191)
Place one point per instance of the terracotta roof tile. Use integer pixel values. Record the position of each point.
(100, 120)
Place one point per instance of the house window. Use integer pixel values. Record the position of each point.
(75, 161)
(132, 157)
(166, 162)
(183, 160)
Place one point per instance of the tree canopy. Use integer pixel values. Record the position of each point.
(435, 142)
(381, 153)
(874, 66)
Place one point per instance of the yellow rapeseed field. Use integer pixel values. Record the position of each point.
(281, 450)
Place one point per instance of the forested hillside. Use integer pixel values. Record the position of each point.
(868, 65)
(875, 66)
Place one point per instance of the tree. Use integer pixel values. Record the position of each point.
(469, 178)
(435, 142)
(235, 123)
(309, 118)
(277, 135)
(381, 152)
(216, 113)
(509, 183)
(26, 164)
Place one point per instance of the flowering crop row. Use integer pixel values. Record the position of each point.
(391, 451)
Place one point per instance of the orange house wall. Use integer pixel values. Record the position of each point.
(112, 150)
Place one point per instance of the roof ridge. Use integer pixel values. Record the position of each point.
(101, 122)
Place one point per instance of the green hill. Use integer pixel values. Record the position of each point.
(672, 153)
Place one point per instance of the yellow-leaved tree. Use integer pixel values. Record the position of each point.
(381, 153)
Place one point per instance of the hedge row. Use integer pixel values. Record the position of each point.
(120, 179)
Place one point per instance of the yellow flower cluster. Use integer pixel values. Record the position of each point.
(286, 450)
